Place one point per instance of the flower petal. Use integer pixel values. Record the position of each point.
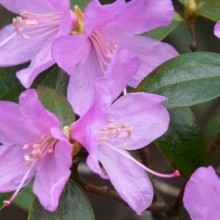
(53, 173)
(121, 70)
(18, 6)
(202, 193)
(148, 118)
(36, 114)
(151, 52)
(39, 63)
(217, 29)
(14, 49)
(97, 15)
(129, 180)
(141, 16)
(81, 89)
(13, 168)
(76, 50)
(14, 128)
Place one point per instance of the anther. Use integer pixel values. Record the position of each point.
(26, 146)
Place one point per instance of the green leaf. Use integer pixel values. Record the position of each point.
(25, 198)
(3, 197)
(74, 204)
(183, 144)
(81, 3)
(57, 104)
(162, 32)
(186, 80)
(10, 86)
(209, 9)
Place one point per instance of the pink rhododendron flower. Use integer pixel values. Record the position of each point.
(31, 34)
(217, 29)
(202, 193)
(33, 146)
(104, 28)
(123, 63)
(108, 130)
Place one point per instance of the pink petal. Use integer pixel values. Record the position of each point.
(129, 180)
(36, 114)
(53, 173)
(97, 15)
(81, 89)
(217, 29)
(14, 49)
(151, 52)
(121, 70)
(39, 63)
(14, 127)
(138, 16)
(202, 193)
(38, 6)
(76, 50)
(147, 118)
(13, 168)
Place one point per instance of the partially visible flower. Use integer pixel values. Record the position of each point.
(108, 130)
(202, 193)
(33, 146)
(31, 34)
(101, 30)
(217, 29)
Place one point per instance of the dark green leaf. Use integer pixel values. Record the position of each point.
(183, 143)
(10, 86)
(81, 3)
(209, 9)
(57, 104)
(74, 205)
(162, 32)
(187, 80)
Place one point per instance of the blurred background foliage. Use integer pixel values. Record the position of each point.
(201, 123)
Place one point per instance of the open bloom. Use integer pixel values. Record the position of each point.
(104, 28)
(31, 34)
(202, 193)
(33, 146)
(108, 130)
(217, 29)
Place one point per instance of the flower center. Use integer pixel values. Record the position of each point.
(104, 48)
(39, 149)
(33, 26)
(113, 132)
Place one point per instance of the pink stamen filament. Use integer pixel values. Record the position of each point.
(39, 151)
(104, 49)
(8, 202)
(175, 174)
(8, 39)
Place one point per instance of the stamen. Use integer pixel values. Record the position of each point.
(175, 174)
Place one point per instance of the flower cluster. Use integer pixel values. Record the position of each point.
(102, 51)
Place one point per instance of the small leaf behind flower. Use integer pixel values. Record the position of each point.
(74, 205)
(186, 80)
(57, 104)
(183, 144)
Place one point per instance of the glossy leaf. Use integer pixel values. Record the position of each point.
(183, 144)
(186, 80)
(74, 204)
(58, 104)
(162, 32)
(209, 9)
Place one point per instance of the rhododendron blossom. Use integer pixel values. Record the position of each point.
(202, 193)
(31, 34)
(100, 31)
(108, 130)
(33, 146)
(217, 29)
